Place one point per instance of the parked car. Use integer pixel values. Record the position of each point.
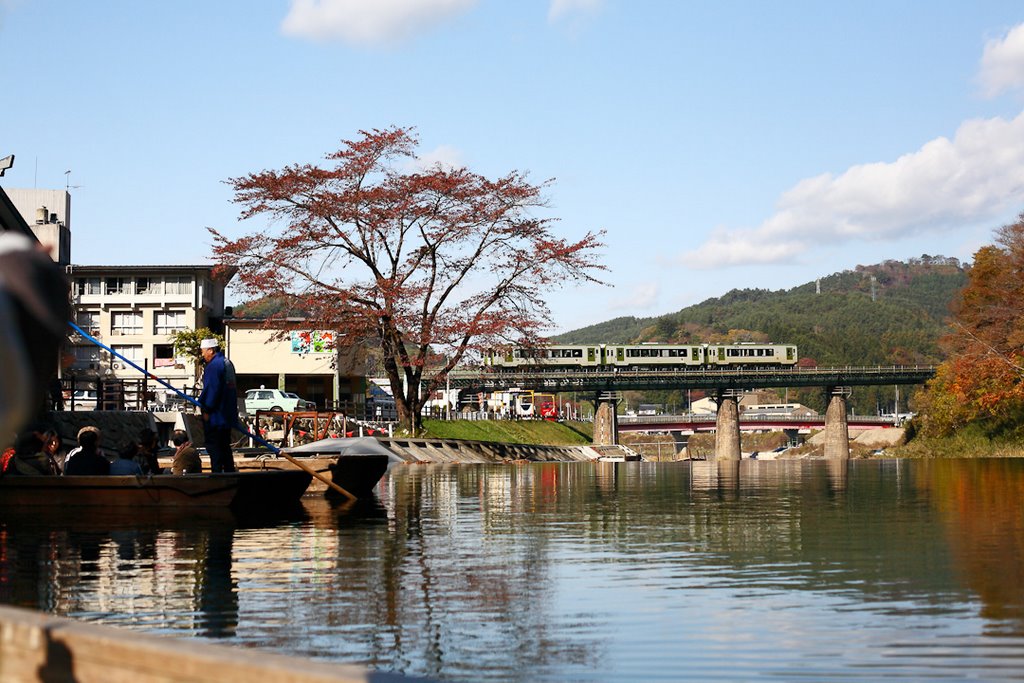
(275, 399)
(82, 399)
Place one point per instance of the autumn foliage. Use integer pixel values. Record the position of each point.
(429, 263)
(981, 383)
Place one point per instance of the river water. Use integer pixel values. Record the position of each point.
(577, 572)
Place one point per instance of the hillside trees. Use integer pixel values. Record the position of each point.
(429, 263)
(983, 380)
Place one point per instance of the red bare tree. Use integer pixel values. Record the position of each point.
(431, 263)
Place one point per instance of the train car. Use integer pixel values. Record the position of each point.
(651, 356)
(555, 357)
(750, 355)
(642, 357)
(549, 411)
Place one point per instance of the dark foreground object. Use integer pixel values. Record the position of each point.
(264, 488)
(360, 462)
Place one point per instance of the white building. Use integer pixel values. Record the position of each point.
(134, 310)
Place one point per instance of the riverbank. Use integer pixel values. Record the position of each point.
(532, 432)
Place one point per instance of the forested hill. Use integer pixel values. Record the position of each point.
(893, 312)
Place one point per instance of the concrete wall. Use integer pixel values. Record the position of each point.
(39, 647)
(254, 351)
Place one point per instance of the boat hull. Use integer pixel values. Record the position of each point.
(234, 489)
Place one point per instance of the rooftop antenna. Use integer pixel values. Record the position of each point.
(67, 181)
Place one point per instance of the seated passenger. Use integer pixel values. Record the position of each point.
(28, 458)
(186, 457)
(53, 449)
(87, 459)
(126, 463)
(146, 453)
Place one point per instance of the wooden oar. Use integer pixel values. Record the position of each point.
(238, 424)
(295, 461)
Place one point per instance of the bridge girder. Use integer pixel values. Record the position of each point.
(583, 380)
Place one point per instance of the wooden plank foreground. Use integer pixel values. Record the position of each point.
(40, 647)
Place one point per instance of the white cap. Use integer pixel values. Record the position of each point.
(209, 344)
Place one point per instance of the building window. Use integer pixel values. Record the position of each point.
(87, 285)
(178, 284)
(148, 285)
(87, 354)
(126, 322)
(163, 355)
(167, 322)
(88, 321)
(132, 352)
(118, 285)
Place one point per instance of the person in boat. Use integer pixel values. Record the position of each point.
(186, 457)
(127, 462)
(53, 449)
(145, 453)
(219, 401)
(86, 459)
(29, 457)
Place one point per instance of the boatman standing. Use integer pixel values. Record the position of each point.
(219, 401)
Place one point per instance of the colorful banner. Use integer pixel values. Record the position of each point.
(315, 341)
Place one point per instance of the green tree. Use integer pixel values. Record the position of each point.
(186, 345)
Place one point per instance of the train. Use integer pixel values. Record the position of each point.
(642, 357)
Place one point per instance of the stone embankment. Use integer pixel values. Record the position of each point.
(413, 450)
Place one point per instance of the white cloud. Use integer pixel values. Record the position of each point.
(943, 185)
(1002, 64)
(641, 297)
(445, 156)
(562, 9)
(367, 22)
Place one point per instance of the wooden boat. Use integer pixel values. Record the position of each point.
(263, 488)
(358, 462)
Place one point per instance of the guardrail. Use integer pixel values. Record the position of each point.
(744, 418)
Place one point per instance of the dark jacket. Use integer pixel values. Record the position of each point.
(86, 462)
(219, 398)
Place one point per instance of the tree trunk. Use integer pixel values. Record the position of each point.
(408, 403)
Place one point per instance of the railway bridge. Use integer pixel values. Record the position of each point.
(727, 386)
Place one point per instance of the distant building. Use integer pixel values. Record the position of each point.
(749, 406)
(704, 406)
(311, 363)
(134, 310)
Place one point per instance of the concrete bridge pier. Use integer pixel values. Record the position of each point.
(837, 432)
(727, 425)
(606, 421)
(681, 440)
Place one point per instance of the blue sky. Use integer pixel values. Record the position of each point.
(721, 145)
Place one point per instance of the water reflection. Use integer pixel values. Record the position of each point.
(163, 569)
(579, 571)
(981, 506)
